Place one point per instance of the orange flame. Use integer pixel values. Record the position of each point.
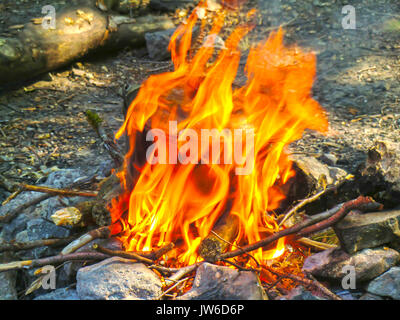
(172, 202)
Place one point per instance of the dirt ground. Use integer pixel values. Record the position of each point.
(43, 125)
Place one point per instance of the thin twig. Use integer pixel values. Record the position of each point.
(59, 192)
(233, 245)
(16, 211)
(306, 282)
(173, 287)
(181, 273)
(19, 246)
(122, 254)
(29, 264)
(316, 244)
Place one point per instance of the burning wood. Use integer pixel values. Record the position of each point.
(171, 201)
(202, 194)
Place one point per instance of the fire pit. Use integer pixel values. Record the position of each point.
(208, 202)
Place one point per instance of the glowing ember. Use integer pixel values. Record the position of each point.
(180, 202)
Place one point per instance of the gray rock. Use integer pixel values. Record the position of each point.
(61, 178)
(38, 229)
(42, 229)
(157, 44)
(8, 279)
(59, 294)
(369, 230)
(387, 284)
(223, 283)
(7, 286)
(369, 296)
(116, 279)
(300, 293)
(368, 263)
(11, 229)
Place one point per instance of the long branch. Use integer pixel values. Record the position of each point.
(29, 264)
(340, 211)
(19, 246)
(58, 192)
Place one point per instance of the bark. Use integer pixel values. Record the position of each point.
(80, 30)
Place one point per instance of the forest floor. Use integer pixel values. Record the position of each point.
(43, 125)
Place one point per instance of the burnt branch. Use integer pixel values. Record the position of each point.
(339, 212)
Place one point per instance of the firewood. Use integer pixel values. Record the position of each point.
(19, 246)
(29, 264)
(103, 232)
(122, 254)
(217, 242)
(315, 223)
(58, 192)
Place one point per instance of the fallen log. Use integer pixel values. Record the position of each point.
(80, 30)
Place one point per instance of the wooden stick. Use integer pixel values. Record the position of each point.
(306, 282)
(29, 264)
(16, 211)
(173, 287)
(337, 217)
(13, 213)
(340, 210)
(12, 196)
(19, 246)
(316, 244)
(59, 192)
(160, 252)
(100, 233)
(122, 254)
(181, 273)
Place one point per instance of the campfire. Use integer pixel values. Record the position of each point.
(208, 188)
(206, 206)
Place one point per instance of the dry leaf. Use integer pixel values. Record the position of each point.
(35, 285)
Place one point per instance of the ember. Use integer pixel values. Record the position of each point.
(181, 203)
